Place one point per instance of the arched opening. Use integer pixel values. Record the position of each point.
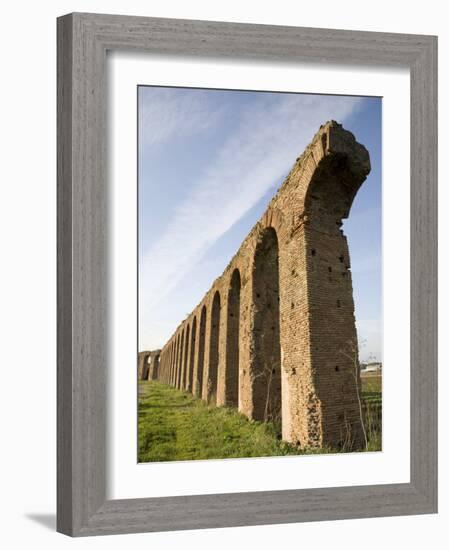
(181, 349)
(331, 191)
(192, 356)
(232, 342)
(202, 337)
(213, 350)
(186, 359)
(266, 379)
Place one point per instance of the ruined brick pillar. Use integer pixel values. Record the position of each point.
(175, 359)
(142, 365)
(185, 357)
(198, 368)
(320, 375)
(228, 374)
(192, 351)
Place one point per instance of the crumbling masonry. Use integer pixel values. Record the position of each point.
(275, 336)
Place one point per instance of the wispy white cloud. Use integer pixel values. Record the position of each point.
(257, 155)
(164, 114)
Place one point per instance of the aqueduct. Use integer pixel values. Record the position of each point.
(275, 335)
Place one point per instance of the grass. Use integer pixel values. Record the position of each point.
(174, 425)
(372, 409)
(371, 384)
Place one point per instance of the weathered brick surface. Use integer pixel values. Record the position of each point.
(275, 335)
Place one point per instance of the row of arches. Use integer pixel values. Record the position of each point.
(276, 335)
(204, 356)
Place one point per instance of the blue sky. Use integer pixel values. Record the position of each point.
(209, 163)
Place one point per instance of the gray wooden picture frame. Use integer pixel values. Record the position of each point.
(83, 40)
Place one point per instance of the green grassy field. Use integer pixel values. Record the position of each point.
(372, 385)
(372, 388)
(372, 409)
(174, 425)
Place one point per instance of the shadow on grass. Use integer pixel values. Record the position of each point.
(148, 406)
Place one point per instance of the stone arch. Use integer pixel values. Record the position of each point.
(191, 356)
(328, 196)
(198, 389)
(272, 218)
(212, 377)
(266, 375)
(231, 397)
(339, 165)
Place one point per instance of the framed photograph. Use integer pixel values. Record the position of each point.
(247, 282)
